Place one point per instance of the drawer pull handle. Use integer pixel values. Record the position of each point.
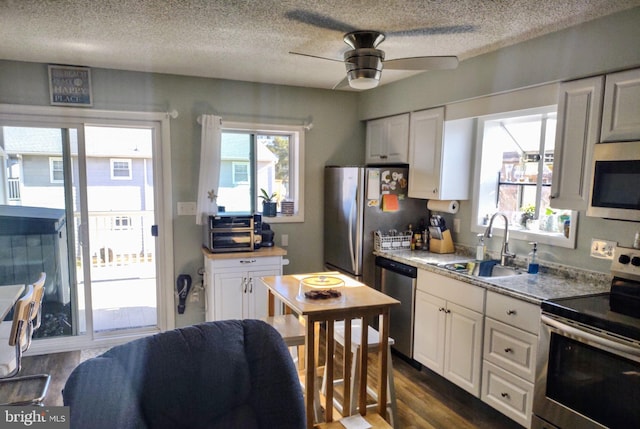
(442, 309)
(511, 312)
(505, 395)
(247, 261)
(508, 350)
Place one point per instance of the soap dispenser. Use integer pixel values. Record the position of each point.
(533, 259)
(480, 248)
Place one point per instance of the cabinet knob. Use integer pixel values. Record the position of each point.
(505, 395)
(434, 191)
(508, 350)
(511, 312)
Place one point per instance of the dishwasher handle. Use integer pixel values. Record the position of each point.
(397, 267)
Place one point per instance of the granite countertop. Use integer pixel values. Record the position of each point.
(553, 281)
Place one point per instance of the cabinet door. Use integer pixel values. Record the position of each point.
(621, 115)
(229, 290)
(425, 145)
(429, 330)
(577, 130)
(463, 352)
(376, 141)
(258, 294)
(398, 138)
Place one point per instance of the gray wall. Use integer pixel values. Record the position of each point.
(338, 133)
(596, 47)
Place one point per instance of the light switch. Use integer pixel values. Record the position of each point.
(284, 239)
(187, 209)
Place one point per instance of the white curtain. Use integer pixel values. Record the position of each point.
(209, 178)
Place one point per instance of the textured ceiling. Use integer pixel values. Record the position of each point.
(251, 40)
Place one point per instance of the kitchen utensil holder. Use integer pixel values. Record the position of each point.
(442, 246)
(391, 242)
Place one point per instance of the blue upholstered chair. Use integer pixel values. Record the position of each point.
(226, 374)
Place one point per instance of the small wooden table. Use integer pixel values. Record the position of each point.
(357, 301)
(9, 294)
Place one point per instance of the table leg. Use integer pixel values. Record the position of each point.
(383, 358)
(328, 409)
(310, 372)
(364, 341)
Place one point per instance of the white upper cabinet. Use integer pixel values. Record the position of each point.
(388, 140)
(577, 130)
(621, 115)
(439, 156)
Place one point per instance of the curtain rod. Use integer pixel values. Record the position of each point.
(306, 125)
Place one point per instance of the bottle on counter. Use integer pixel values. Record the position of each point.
(481, 249)
(532, 267)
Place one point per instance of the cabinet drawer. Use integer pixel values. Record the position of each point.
(461, 293)
(513, 312)
(245, 263)
(510, 348)
(505, 392)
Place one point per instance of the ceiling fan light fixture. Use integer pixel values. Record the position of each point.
(363, 82)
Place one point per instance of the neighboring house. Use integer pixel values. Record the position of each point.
(235, 179)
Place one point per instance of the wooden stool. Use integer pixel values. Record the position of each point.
(373, 345)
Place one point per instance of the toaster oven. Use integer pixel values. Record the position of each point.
(233, 233)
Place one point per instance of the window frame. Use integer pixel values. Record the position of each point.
(112, 162)
(296, 162)
(233, 172)
(52, 161)
(541, 237)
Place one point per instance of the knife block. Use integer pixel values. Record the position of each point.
(442, 246)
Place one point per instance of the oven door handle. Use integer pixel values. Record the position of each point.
(572, 332)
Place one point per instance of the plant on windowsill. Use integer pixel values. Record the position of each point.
(528, 212)
(269, 205)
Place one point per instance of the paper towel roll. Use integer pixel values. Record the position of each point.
(446, 206)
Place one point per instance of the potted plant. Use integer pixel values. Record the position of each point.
(269, 205)
(528, 212)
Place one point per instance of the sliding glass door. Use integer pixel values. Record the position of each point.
(78, 202)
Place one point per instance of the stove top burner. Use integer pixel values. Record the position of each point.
(618, 311)
(598, 311)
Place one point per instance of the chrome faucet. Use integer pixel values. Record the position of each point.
(505, 255)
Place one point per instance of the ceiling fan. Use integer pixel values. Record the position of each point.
(364, 62)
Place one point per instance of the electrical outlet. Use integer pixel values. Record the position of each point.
(602, 249)
(186, 209)
(456, 226)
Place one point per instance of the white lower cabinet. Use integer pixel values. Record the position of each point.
(234, 289)
(448, 329)
(510, 347)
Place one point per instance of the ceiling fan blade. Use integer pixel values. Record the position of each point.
(422, 63)
(314, 56)
(342, 84)
(318, 20)
(432, 31)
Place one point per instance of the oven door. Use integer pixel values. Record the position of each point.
(586, 378)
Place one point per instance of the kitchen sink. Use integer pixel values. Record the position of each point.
(483, 269)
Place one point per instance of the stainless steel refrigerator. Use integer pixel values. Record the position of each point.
(353, 210)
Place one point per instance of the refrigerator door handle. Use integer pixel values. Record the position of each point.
(352, 216)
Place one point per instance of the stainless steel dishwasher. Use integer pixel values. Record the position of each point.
(399, 281)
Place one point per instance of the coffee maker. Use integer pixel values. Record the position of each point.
(267, 235)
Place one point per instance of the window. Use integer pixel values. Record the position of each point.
(121, 223)
(120, 169)
(56, 170)
(261, 157)
(514, 176)
(240, 172)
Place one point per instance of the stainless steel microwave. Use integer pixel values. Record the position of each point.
(615, 181)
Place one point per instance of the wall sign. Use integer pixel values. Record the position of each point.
(70, 86)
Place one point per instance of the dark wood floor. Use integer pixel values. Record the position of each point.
(425, 400)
